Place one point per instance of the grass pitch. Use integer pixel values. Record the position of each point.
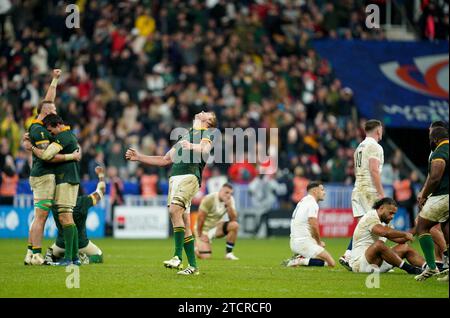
(133, 268)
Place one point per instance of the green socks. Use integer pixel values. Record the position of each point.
(427, 245)
(69, 234)
(75, 244)
(189, 248)
(36, 250)
(178, 234)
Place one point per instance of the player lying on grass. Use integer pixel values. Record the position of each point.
(188, 158)
(211, 224)
(370, 253)
(88, 252)
(305, 238)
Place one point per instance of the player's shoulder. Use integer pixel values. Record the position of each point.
(440, 154)
(37, 126)
(66, 136)
(209, 198)
(308, 201)
(371, 215)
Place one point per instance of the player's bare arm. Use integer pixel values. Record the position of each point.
(46, 152)
(200, 222)
(315, 230)
(99, 193)
(392, 234)
(436, 172)
(51, 92)
(232, 214)
(203, 147)
(374, 168)
(159, 161)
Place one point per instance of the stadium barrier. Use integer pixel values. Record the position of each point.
(15, 222)
(141, 217)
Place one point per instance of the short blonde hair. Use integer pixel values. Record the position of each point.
(212, 123)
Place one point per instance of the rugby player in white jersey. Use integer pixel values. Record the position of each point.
(370, 253)
(217, 217)
(368, 162)
(305, 238)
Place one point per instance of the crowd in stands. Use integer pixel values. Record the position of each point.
(135, 70)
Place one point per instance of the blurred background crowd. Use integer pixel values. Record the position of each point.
(135, 70)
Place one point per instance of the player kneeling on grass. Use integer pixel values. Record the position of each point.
(370, 253)
(88, 252)
(305, 238)
(210, 223)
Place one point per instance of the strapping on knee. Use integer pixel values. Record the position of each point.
(65, 209)
(45, 205)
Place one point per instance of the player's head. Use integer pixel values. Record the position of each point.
(226, 192)
(46, 107)
(316, 189)
(53, 123)
(386, 209)
(374, 129)
(438, 123)
(206, 119)
(437, 135)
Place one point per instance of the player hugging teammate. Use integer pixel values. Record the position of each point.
(55, 178)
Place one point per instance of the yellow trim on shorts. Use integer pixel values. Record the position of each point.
(42, 142)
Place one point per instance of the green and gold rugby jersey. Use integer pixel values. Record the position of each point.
(38, 136)
(67, 172)
(80, 213)
(441, 153)
(186, 161)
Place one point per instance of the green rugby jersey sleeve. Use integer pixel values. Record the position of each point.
(208, 135)
(39, 135)
(439, 154)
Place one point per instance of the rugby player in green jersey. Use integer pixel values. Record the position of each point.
(89, 253)
(67, 182)
(188, 157)
(42, 177)
(433, 201)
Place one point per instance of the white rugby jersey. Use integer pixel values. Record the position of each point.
(306, 208)
(367, 149)
(363, 236)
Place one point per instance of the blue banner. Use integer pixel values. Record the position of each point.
(15, 223)
(404, 84)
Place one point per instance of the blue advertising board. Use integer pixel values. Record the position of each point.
(15, 223)
(404, 84)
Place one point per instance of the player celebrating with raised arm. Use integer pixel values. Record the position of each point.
(368, 162)
(370, 253)
(305, 238)
(42, 176)
(67, 182)
(89, 253)
(211, 224)
(433, 200)
(184, 183)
